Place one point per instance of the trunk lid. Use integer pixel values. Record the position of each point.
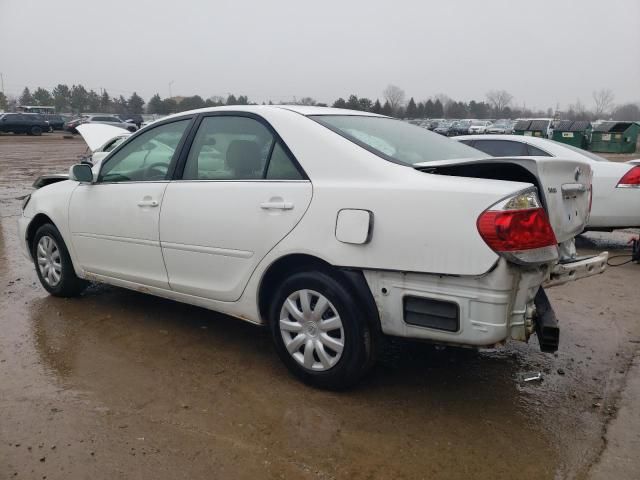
(564, 186)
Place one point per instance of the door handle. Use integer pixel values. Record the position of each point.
(276, 205)
(148, 203)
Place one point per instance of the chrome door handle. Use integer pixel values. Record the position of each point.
(148, 203)
(276, 205)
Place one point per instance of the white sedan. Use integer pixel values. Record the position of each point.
(616, 186)
(331, 227)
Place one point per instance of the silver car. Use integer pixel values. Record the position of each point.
(110, 120)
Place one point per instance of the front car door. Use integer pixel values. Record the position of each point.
(114, 221)
(240, 193)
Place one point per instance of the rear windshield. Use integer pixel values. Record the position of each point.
(395, 140)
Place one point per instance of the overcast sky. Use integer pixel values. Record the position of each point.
(543, 52)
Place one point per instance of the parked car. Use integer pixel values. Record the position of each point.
(55, 121)
(460, 127)
(29, 123)
(332, 227)
(478, 126)
(102, 119)
(616, 186)
(134, 118)
(500, 127)
(101, 139)
(443, 128)
(110, 120)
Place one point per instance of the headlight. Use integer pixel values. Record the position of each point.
(25, 200)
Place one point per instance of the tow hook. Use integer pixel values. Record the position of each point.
(546, 323)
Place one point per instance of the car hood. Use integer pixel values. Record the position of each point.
(97, 134)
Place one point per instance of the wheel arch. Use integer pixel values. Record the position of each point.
(284, 266)
(36, 222)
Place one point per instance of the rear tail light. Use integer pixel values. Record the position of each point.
(519, 229)
(631, 179)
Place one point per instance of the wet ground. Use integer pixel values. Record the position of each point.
(117, 384)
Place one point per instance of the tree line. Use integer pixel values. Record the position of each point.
(496, 104)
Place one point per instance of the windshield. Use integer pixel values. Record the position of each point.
(394, 140)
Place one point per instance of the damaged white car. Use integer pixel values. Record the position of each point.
(332, 227)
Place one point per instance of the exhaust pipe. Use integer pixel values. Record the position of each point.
(546, 323)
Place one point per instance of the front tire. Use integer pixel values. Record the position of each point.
(319, 330)
(53, 263)
(37, 131)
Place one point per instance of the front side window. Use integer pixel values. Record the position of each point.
(236, 148)
(394, 140)
(502, 148)
(145, 157)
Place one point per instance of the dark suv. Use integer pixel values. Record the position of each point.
(29, 123)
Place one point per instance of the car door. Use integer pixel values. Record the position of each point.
(241, 192)
(114, 221)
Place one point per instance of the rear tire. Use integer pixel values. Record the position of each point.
(35, 130)
(319, 330)
(53, 263)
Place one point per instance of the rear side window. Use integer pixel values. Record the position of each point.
(467, 142)
(237, 148)
(502, 148)
(536, 152)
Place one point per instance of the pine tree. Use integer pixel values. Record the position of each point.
(61, 98)
(412, 110)
(386, 109)
(135, 103)
(26, 98)
(42, 97)
(377, 108)
(155, 105)
(438, 109)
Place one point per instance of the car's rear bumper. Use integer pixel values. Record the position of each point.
(470, 310)
(490, 308)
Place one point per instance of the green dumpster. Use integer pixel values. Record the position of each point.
(615, 137)
(573, 133)
(531, 128)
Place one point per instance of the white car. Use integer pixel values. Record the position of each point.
(616, 186)
(332, 227)
(479, 126)
(101, 139)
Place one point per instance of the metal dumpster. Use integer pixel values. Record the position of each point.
(532, 128)
(615, 137)
(576, 133)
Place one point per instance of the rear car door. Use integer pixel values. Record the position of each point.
(240, 193)
(114, 221)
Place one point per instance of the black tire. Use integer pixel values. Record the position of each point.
(35, 130)
(132, 129)
(358, 353)
(68, 285)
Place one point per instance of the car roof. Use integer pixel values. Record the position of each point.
(258, 109)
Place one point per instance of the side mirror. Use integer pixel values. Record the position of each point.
(81, 173)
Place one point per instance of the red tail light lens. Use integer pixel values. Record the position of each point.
(513, 230)
(631, 179)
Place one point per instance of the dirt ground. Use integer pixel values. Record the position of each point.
(118, 384)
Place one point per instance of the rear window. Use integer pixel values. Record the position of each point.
(394, 140)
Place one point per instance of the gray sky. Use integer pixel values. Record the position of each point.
(543, 52)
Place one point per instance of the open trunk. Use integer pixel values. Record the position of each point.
(564, 186)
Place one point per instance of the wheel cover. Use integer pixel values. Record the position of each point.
(49, 260)
(312, 330)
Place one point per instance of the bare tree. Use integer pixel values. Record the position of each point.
(395, 96)
(603, 99)
(499, 99)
